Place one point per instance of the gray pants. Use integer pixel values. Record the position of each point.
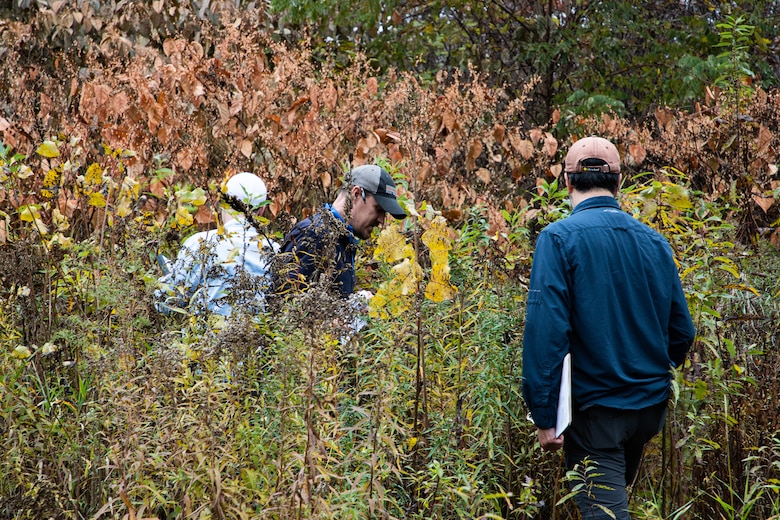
(610, 442)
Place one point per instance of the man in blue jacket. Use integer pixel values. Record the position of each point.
(605, 288)
(325, 244)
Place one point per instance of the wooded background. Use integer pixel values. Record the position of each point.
(119, 121)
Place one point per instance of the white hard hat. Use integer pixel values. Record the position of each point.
(248, 188)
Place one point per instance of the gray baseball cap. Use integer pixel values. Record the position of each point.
(380, 184)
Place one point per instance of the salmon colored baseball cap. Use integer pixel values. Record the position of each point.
(592, 154)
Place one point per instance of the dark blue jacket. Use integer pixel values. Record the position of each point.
(322, 245)
(604, 287)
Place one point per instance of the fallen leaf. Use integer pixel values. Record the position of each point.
(48, 149)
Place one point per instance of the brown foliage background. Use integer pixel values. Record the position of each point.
(217, 98)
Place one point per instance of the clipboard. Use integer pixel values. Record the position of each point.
(563, 420)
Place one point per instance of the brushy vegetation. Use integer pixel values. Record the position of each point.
(110, 410)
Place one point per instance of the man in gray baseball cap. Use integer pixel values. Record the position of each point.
(326, 243)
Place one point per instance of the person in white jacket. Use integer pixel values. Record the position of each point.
(223, 269)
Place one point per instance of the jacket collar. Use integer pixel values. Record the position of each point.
(596, 202)
(352, 238)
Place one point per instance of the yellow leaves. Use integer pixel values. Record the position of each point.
(196, 197)
(97, 200)
(439, 242)
(437, 239)
(21, 352)
(395, 295)
(48, 149)
(94, 175)
(60, 240)
(439, 288)
(391, 246)
(123, 208)
(33, 214)
(29, 213)
(60, 220)
(408, 273)
(182, 218)
(24, 172)
(49, 348)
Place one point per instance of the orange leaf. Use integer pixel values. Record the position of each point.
(550, 144)
(298, 102)
(425, 173)
(396, 155)
(499, 132)
(326, 180)
(452, 214)
(523, 146)
(764, 139)
(475, 149)
(539, 184)
(45, 105)
(664, 117)
(204, 216)
(764, 202)
(274, 207)
(246, 148)
(157, 188)
(448, 120)
(536, 135)
(638, 152)
(484, 175)
(330, 97)
(184, 159)
(372, 86)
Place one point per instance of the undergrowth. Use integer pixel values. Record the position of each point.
(111, 410)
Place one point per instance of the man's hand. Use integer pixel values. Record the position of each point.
(547, 439)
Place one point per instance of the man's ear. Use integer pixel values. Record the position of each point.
(620, 180)
(567, 181)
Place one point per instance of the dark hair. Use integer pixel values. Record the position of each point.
(586, 181)
(592, 178)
